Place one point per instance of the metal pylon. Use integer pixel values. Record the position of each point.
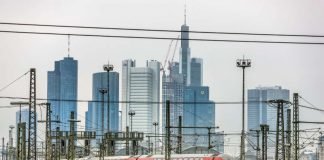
(280, 129)
(48, 146)
(264, 141)
(72, 138)
(295, 147)
(21, 141)
(32, 134)
(288, 135)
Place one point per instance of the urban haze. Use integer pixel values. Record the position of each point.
(280, 69)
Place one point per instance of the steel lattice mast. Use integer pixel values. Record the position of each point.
(264, 141)
(32, 134)
(295, 127)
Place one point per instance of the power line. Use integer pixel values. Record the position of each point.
(162, 38)
(2, 107)
(160, 30)
(139, 102)
(309, 122)
(3, 88)
(144, 102)
(313, 106)
(317, 109)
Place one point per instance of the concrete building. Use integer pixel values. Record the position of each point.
(260, 112)
(140, 84)
(94, 114)
(62, 84)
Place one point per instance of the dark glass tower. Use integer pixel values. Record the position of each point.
(196, 75)
(201, 113)
(93, 115)
(62, 84)
(185, 54)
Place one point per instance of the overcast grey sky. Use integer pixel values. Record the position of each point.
(298, 68)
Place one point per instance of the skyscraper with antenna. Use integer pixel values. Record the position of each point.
(62, 84)
(185, 84)
(185, 51)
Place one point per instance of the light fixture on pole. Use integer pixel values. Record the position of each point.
(243, 63)
(131, 113)
(102, 91)
(108, 68)
(155, 124)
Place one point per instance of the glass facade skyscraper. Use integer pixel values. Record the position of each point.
(184, 83)
(196, 69)
(172, 89)
(260, 112)
(94, 113)
(141, 84)
(199, 111)
(62, 85)
(185, 54)
(24, 118)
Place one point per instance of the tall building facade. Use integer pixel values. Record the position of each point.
(140, 84)
(260, 112)
(185, 54)
(24, 118)
(320, 148)
(184, 83)
(199, 111)
(172, 90)
(196, 75)
(62, 85)
(94, 114)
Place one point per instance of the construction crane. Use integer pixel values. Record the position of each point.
(163, 67)
(166, 57)
(175, 48)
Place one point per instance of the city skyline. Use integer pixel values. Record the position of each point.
(297, 67)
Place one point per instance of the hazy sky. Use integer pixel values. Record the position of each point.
(298, 68)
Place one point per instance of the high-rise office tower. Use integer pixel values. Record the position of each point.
(172, 90)
(260, 112)
(183, 83)
(196, 75)
(199, 111)
(185, 54)
(88, 119)
(140, 84)
(62, 85)
(174, 69)
(24, 118)
(94, 113)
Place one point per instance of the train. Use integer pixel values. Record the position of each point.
(161, 157)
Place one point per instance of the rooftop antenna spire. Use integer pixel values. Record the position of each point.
(185, 13)
(69, 45)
